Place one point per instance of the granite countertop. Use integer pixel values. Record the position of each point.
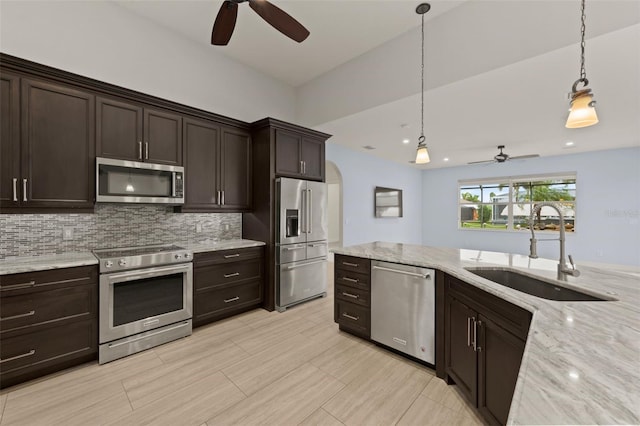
(17, 265)
(581, 364)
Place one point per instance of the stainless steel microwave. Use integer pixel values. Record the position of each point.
(123, 181)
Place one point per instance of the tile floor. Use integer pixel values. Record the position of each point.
(291, 368)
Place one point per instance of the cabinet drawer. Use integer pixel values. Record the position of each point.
(227, 273)
(227, 256)
(354, 264)
(352, 279)
(353, 295)
(30, 282)
(47, 306)
(354, 318)
(214, 301)
(47, 346)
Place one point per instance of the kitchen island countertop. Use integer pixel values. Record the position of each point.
(581, 363)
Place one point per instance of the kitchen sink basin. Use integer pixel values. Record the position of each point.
(533, 286)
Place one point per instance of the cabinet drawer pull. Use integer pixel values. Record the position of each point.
(24, 190)
(13, 358)
(15, 189)
(28, 314)
(235, 274)
(229, 256)
(353, 265)
(233, 299)
(351, 280)
(350, 317)
(19, 286)
(353, 296)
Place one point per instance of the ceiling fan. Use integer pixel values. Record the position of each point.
(277, 18)
(501, 157)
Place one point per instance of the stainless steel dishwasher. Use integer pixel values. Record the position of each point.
(403, 308)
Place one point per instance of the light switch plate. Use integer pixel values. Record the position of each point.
(67, 233)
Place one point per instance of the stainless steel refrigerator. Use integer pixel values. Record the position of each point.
(301, 241)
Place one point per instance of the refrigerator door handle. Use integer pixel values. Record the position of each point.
(303, 211)
(310, 200)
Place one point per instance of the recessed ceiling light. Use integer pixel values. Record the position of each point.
(569, 143)
(445, 159)
(405, 141)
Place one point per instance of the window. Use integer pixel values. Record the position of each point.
(506, 203)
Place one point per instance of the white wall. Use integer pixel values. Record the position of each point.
(361, 173)
(102, 40)
(607, 216)
(333, 203)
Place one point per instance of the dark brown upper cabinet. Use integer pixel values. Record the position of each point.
(128, 131)
(48, 152)
(217, 162)
(299, 156)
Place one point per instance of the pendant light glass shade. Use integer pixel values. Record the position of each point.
(422, 155)
(582, 112)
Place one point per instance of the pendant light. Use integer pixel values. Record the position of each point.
(582, 111)
(422, 155)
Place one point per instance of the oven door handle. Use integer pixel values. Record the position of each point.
(149, 272)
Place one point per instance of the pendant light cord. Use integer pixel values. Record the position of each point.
(422, 87)
(583, 72)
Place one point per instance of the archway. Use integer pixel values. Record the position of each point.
(334, 204)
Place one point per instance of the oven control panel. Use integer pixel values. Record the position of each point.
(141, 257)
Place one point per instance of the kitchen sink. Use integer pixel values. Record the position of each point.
(533, 286)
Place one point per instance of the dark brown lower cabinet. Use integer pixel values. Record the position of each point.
(48, 322)
(352, 305)
(484, 342)
(226, 283)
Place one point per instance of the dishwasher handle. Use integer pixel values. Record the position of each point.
(398, 271)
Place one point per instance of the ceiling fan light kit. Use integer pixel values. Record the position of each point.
(422, 154)
(582, 111)
(280, 20)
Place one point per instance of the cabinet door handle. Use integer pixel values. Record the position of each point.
(351, 280)
(353, 265)
(476, 347)
(218, 197)
(233, 299)
(24, 190)
(139, 150)
(474, 336)
(350, 317)
(222, 197)
(229, 256)
(468, 331)
(28, 314)
(13, 358)
(15, 189)
(146, 150)
(353, 296)
(301, 167)
(18, 286)
(235, 274)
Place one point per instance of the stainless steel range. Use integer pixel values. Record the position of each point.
(146, 298)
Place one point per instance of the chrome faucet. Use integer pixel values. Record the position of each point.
(563, 268)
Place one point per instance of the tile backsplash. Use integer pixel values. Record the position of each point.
(112, 225)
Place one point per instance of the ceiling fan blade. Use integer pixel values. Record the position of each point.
(518, 157)
(279, 20)
(480, 162)
(224, 24)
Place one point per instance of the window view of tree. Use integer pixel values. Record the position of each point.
(507, 205)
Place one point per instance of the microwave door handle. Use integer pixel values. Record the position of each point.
(173, 184)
